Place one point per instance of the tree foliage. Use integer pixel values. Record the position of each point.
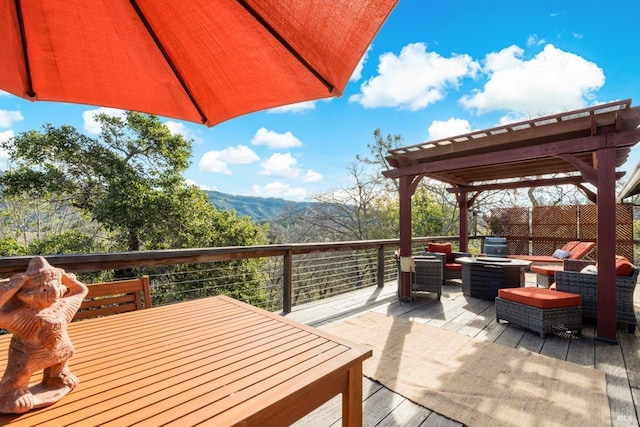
(117, 178)
(128, 184)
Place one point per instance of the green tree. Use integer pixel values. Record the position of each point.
(427, 216)
(68, 242)
(117, 178)
(40, 217)
(378, 151)
(10, 247)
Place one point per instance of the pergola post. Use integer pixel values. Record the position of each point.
(606, 313)
(463, 205)
(407, 189)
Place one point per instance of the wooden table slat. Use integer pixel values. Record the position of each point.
(273, 389)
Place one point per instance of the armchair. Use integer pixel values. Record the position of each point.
(428, 275)
(452, 269)
(586, 284)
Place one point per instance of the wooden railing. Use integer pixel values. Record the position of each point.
(78, 263)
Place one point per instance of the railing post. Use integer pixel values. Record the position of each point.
(287, 282)
(381, 266)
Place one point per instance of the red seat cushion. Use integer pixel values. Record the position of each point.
(547, 270)
(443, 248)
(540, 297)
(581, 249)
(452, 266)
(570, 245)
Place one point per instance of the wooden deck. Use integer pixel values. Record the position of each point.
(475, 318)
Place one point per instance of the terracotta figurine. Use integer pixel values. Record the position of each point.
(37, 307)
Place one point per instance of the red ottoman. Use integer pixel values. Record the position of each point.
(540, 310)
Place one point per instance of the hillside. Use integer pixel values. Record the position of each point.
(257, 208)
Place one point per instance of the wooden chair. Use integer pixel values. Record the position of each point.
(115, 297)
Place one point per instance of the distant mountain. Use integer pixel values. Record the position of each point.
(257, 208)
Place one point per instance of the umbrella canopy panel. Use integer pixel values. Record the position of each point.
(198, 60)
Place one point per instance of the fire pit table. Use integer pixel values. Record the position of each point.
(483, 276)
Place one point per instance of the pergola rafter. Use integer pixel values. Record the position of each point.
(576, 147)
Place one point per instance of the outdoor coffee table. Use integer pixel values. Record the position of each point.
(483, 276)
(215, 361)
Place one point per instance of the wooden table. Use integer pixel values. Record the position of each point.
(213, 361)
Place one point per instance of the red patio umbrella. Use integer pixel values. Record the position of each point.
(197, 60)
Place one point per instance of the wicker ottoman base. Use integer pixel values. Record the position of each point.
(540, 320)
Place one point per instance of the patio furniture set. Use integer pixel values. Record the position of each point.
(542, 309)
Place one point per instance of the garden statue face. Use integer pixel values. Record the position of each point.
(43, 289)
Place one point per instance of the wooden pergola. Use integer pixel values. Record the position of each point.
(576, 147)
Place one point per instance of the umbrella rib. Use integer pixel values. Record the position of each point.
(286, 44)
(167, 58)
(23, 36)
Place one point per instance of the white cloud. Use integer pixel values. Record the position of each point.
(279, 190)
(211, 161)
(550, 82)
(298, 107)
(8, 118)
(533, 40)
(4, 156)
(443, 129)
(6, 135)
(200, 186)
(414, 79)
(312, 176)
(239, 155)
(275, 140)
(280, 165)
(91, 126)
(216, 161)
(357, 72)
(178, 128)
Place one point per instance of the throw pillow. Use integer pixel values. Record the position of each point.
(590, 269)
(559, 253)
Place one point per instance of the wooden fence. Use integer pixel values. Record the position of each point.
(542, 229)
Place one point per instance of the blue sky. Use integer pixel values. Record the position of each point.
(433, 70)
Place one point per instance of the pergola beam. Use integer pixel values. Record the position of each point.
(527, 183)
(570, 146)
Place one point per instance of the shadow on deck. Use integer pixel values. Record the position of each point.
(475, 318)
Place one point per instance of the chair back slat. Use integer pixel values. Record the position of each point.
(115, 297)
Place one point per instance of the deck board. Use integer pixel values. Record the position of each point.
(476, 318)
